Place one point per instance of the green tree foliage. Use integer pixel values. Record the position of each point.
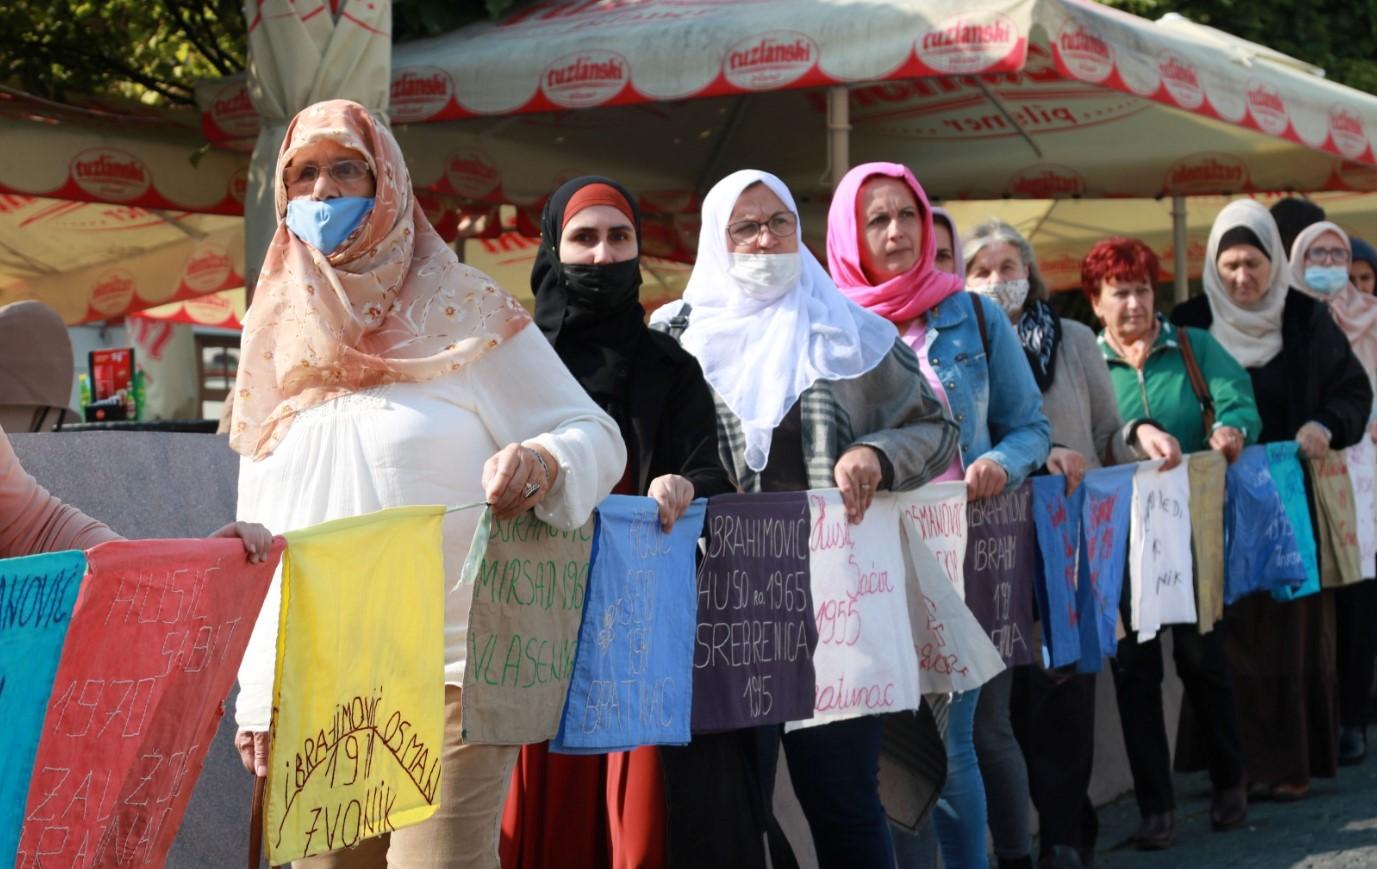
(1338, 35)
(156, 50)
(150, 50)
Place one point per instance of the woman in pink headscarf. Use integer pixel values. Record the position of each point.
(881, 247)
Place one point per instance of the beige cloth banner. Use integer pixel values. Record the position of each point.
(528, 583)
(1336, 521)
(1207, 536)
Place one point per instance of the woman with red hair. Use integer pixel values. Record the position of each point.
(1188, 385)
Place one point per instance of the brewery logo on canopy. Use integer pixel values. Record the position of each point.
(470, 174)
(233, 112)
(1181, 79)
(1083, 53)
(111, 174)
(587, 78)
(968, 43)
(1267, 107)
(1346, 131)
(418, 93)
(770, 60)
(1206, 173)
(113, 292)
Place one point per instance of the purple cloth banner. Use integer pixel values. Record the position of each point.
(753, 647)
(1001, 560)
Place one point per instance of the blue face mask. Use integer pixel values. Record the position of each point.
(1326, 279)
(325, 224)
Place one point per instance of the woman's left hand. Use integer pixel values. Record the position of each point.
(985, 478)
(514, 481)
(1227, 440)
(257, 540)
(673, 493)
(1313, 440)
(858, 475)
(1159, 445)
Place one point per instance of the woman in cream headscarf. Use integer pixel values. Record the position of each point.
(812, 392)
(1320, 261)
(377, 371)
(1311, 388)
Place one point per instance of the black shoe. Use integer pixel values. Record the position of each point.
(1352, 746)
(1228, 808)
(1155, 832)
(1061, 857)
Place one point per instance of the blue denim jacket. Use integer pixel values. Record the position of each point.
(1012, 429)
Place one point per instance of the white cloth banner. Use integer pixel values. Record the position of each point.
(954, 652)
(859, 589)
(1159, 554)
(1362, 469)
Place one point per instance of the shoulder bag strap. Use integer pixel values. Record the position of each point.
(1198, 384)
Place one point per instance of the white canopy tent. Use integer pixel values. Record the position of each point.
(984, 98)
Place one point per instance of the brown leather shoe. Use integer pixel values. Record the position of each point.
(1290, 793)
(1155, 832)
(1228, 808)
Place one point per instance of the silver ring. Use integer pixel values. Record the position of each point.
(865, 487)
(531, 489)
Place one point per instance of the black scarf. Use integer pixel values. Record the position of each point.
(597, 344)
(1040, 332)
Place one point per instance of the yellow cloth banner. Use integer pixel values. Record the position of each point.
(358, 706)
(1207, 535)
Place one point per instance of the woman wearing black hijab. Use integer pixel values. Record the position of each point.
(586, 280)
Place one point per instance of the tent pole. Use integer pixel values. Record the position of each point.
(1179, 242)
(838, 133)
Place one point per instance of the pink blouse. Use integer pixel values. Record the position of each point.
(915, 335)
(33, 521)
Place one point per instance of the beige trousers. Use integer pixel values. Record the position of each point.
(463, 833)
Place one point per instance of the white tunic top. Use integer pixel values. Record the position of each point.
(425, 443)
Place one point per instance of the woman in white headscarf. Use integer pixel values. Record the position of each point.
(1309, 388)
(1320, 260)
(812, 392)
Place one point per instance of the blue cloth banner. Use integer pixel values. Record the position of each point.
(1260, 550)
(1283, 457)
(1058, 522)
(633, 671)
(1104, 529)
(37, 595)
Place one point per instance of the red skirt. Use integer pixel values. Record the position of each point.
(585, 811)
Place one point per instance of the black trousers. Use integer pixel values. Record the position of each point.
(1356, 608)
(1202, 663)
(1054, 720)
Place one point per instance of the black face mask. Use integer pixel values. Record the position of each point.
(605, 287)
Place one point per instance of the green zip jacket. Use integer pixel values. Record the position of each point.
(1162, 390)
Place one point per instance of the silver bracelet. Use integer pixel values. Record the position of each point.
(539, 458)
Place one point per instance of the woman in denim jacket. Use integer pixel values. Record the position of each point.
(881, 249)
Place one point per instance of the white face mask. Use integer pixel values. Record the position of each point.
(766, 276)
(1009, 295)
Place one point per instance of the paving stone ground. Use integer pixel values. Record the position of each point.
(1336, 828)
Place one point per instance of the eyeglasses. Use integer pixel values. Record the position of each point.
(343, 171)
(1336, 255)
(781, 225)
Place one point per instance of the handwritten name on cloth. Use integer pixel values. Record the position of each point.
(954, 652)
(756, 635)
(528, 590)
(860, 603)
(37, 594)
(1104, 527)
(633, 671)
(1001, 559)
(1283, 457)
(1259, 543)
(1362, 468)
(1207, 535)
(1159, 551)
(156, 636)
(1057, 518)
(359, 695)
(1337, 520)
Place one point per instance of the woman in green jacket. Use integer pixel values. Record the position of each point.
(1149, 364)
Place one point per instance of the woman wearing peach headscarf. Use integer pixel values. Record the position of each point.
(377, 371)
(1321, 257)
